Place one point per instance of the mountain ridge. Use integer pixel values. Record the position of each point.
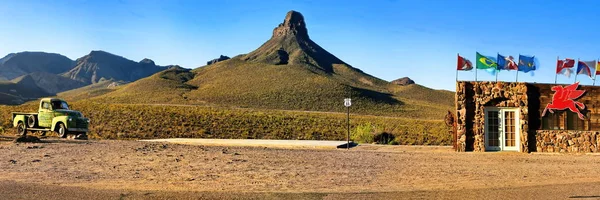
(309, 78)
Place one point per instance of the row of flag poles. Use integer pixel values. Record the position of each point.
(527, 64)
(494, 65)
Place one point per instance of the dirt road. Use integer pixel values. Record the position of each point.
(138, 170)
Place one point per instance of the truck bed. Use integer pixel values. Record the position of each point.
(22, 113)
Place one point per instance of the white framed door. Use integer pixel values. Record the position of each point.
(502, 129)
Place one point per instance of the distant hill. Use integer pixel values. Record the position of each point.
(51, 83)
(99, 65)
(17, 93)
(291, 72)
(403, 81)
(93, 90)
(39, 74)
(18, 64)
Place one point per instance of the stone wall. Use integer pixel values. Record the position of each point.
(567, 141)
(471, 100)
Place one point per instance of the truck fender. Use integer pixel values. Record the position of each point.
(63, 119)
(19, 118)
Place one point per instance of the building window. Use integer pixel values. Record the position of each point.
(564, 120)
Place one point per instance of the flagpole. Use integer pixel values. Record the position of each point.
(458, 57)
(576, 72)
(596, 72)
(475, 73)
(496, 70)
(556, 75)
(497, 76)
(517, 79)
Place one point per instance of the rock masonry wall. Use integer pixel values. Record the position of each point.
(473, 97)
(567, 141)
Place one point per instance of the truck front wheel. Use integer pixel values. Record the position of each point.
(21, 130)
(61, 130)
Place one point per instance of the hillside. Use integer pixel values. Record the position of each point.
(167, 86)
(288, 72)
(17, 93)
(89, 91)
(50, 83)
(39, 74)
(99, 65)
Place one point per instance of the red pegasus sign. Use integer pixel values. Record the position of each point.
(564, 98)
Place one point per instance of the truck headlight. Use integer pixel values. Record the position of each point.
(70, 119)
(88, 121)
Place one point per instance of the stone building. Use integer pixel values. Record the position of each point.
(507, 116)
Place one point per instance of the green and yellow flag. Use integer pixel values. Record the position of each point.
(484, 62)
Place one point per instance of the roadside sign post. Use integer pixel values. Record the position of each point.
(348, 103)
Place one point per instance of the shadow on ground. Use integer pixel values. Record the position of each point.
(345, 145)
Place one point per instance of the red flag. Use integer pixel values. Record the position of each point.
(564, 66)
(511, 64)
(464, 64)
(597, 65)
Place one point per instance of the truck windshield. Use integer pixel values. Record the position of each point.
(60, 105)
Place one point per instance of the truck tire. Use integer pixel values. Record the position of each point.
(21, 130)
(31, 121)
(61, 130)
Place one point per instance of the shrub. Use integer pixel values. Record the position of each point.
(363, 133)
(384, 138)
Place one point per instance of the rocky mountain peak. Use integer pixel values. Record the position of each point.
(293, 24)
(403, 81)
(147, 61)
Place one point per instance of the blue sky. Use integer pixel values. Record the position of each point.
(387, 39)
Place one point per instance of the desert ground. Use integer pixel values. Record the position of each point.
(110, 169)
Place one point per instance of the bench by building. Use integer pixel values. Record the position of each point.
(507, 116)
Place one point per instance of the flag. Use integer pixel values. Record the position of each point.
(464, 64)
(505, 63)
(564, 66)
(587, 68)
(484, 62)
(597, 65)
(526, 63)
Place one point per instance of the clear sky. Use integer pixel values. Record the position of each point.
(387, 39)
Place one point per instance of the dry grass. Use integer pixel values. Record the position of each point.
(123, 121)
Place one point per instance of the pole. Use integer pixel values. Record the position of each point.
(596, 72)
(556, 75)
(497, 71)
(458, 57)
(517, 76)
(475, 73)
(576, 71)
(348, 144)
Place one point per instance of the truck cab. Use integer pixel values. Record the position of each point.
(53, 115)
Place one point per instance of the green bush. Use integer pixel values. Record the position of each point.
(363, 133)
(384, 138)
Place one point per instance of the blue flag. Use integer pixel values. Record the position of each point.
(526, 63)
(501, 61)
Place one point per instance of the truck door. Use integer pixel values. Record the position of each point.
(45, 115)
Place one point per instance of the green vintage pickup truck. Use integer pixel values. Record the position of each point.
(53, 115)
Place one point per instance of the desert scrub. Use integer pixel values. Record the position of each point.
(363, 133)
(128, 121)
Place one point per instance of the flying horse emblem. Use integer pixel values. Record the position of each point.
(564, 98)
